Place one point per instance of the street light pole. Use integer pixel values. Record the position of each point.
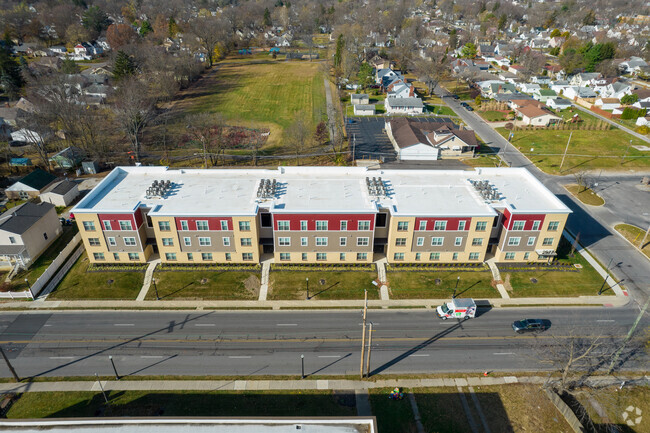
(625, 154)
(600, 291)
(565, 150)
(307, 279)
(363, 336)
(302, 362)
(153, 280)
(117, 376)
(369, 346)
(29, 287)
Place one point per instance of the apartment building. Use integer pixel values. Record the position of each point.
(320, 215)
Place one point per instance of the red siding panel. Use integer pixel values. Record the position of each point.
(214, 223)
(115, 219)
(333, 220)
(452, 223)
(528, 219)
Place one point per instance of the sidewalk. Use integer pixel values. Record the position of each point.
(260, 385)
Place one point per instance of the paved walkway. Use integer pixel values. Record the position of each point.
(148, 276)
(264, 284)
(496, 275)
(381, 276)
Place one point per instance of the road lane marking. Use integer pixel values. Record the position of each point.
(47, 325)
(606, 320)
(287, 324)
(503, 353)
(240, 357)
(418, 354)
(151, 356)
(329, 356)
(61, 357)
(205, 324)
(123, 324)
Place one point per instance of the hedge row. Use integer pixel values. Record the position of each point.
(436, 268)
(221, 267)
(116, 268)
(323, 267)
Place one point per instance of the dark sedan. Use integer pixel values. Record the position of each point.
(530, 325)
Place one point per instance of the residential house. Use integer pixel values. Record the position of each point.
(400, 90)
(26, 136)
(522, 102)
(25, 233)
(617, 90)
(493, 87)
(559, 86)
(404, 106)
(643, 94)
(360, 98)
(539, 43)
(607, 103)
(642, 105)
(380, 74)
(535, 116)
(556, 41)
(528, 87)
(643, 121)
(632, 66)
(30, 186)
(558, 104)
(584, 79)
(60, 193)
(364, 110)
(574, 92)
(516, 69)
(544, 95)
(69, 157)
(485, 50)
(58, 50)
(541, 80)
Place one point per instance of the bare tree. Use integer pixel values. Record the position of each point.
(298, 135)
(210, 32)
(583, 180)
(207, 129)
(38, 132)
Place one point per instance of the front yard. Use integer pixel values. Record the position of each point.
(432, 284)
(206, 284)
(323, 285)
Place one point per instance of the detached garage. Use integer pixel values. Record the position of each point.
(61, 194)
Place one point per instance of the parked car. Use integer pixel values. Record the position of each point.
(466, 106)
(530, 325)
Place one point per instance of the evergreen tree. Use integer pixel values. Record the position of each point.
(70, 67)
(338, 55)
(124, 66)
(468, 51)
(145, 28)
(453, 39)
(10, 78)
(267, 18)
(95, 19)
(365, 75)
(172, 27)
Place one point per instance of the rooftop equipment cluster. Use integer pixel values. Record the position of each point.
(485, 190)
(267, 188)
(376, 187)
(159, 188)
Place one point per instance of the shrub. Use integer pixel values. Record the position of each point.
(643, 130)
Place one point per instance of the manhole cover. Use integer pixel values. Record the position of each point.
(204, 280)
(110, 281)
(533, 280)
(438, 281)
(322, 282)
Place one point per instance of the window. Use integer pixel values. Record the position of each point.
(553, 226)
(163, 226)
(184, 225)
(89, 226)
(476, 242)
(518, 225)
(246, 242)
(536, 225)
(170, 256)
(265, 220)
(134, 256)
(321, 256)
(461, 225)
(168, 242)
(342, 257)
(285, 257)
(547, 241)
(480, 226)
(459, 241)
(344, 226)
(111, 241)
(400, 242)
(190, 257)
(284, 242)
(510, 256)
(440, 225)
(304, 242)
(223, 224)
(526, 256)
(398, 256)
(423, 225)
(436, 242)
(99, 256)
(343, 241)
(434, 256)
(283, 225)
(454, 256)
(362, 256)
(402, 226)
(129, 242)
(12, 240)
(247, 256)
(244, 226)
(206, 256)
(107, 225)
(205, 242)
(321, 242)
(364, 225)
(418, 256)
(513, 242)
(419, 242)
(363, 242)
(228, 257)
(304, 257)
(380, 220)
(126, 225)
(187, 242)
(116, 256)
(203, 225)
(303, 226)
(226, 241)
(473, 256)
(321, 225)
(531, 241)
(93, 242)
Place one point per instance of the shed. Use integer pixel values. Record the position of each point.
(364, 110)
(361, 98)
(90, 167)
(69, 157)
(61, 193)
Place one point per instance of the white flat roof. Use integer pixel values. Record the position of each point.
(319, 190)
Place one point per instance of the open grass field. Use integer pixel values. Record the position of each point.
(492, 116)
(615, 403)
(585, 195)
(79, 284)
(635, 235)
(588, 150)
(440, 285)
(221, 285)
(326, 285)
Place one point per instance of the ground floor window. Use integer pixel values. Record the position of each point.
(304, 257)
(342, 257)
(190, 257)
(99, 256)
(321, 256)
(362, 256)
(510, 256)
(285, 256)
(418, 256)
(473, 256)
(134, 256)
(116, 256)
(434, 256)
(170, 256)
(228, 257)
(206, 256)
(247, 256)
(398, 256)
(455, 256)
(526, 256)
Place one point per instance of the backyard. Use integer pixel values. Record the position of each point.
(323, 285)
(440, 284)
(205, 284)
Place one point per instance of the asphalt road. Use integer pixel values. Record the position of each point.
(595, 226)
(271, 343)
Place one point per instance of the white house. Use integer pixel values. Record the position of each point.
(529, 87)
(404, 106)
(535, 116)
(361, 98)
(386, 72)
(579, 92)
(632, 66)
(558, 103)
(642, 121)
(607, 103)
(543, 95)
(540, 79)
(617, 90)
(364, 110)
(401, 90)
(61, 193)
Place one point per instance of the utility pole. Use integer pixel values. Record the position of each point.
(625, 154)
(11, 368)
(369, 346)
(101, 387)
(600, 292)
(629, 335)
(644, 238)
(363, 336)
(565, 150)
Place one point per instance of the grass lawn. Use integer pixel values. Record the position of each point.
(79, 284)
(459, 88)
(392, 415)
(519, 408)
(221, 285)
(325, 285)
(635, 235)
(556, 283)
(615, 402)
(422, 284)
(183, 403)
(442, 110)
(585, 195)
(44, 260)
(588, 150)
(492, 116)
(441, 410)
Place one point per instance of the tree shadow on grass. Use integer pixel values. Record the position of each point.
(324, 290)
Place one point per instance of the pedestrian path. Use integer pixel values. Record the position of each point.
(496, 276)
(264, 284)
(148, 277)
(381, 276)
